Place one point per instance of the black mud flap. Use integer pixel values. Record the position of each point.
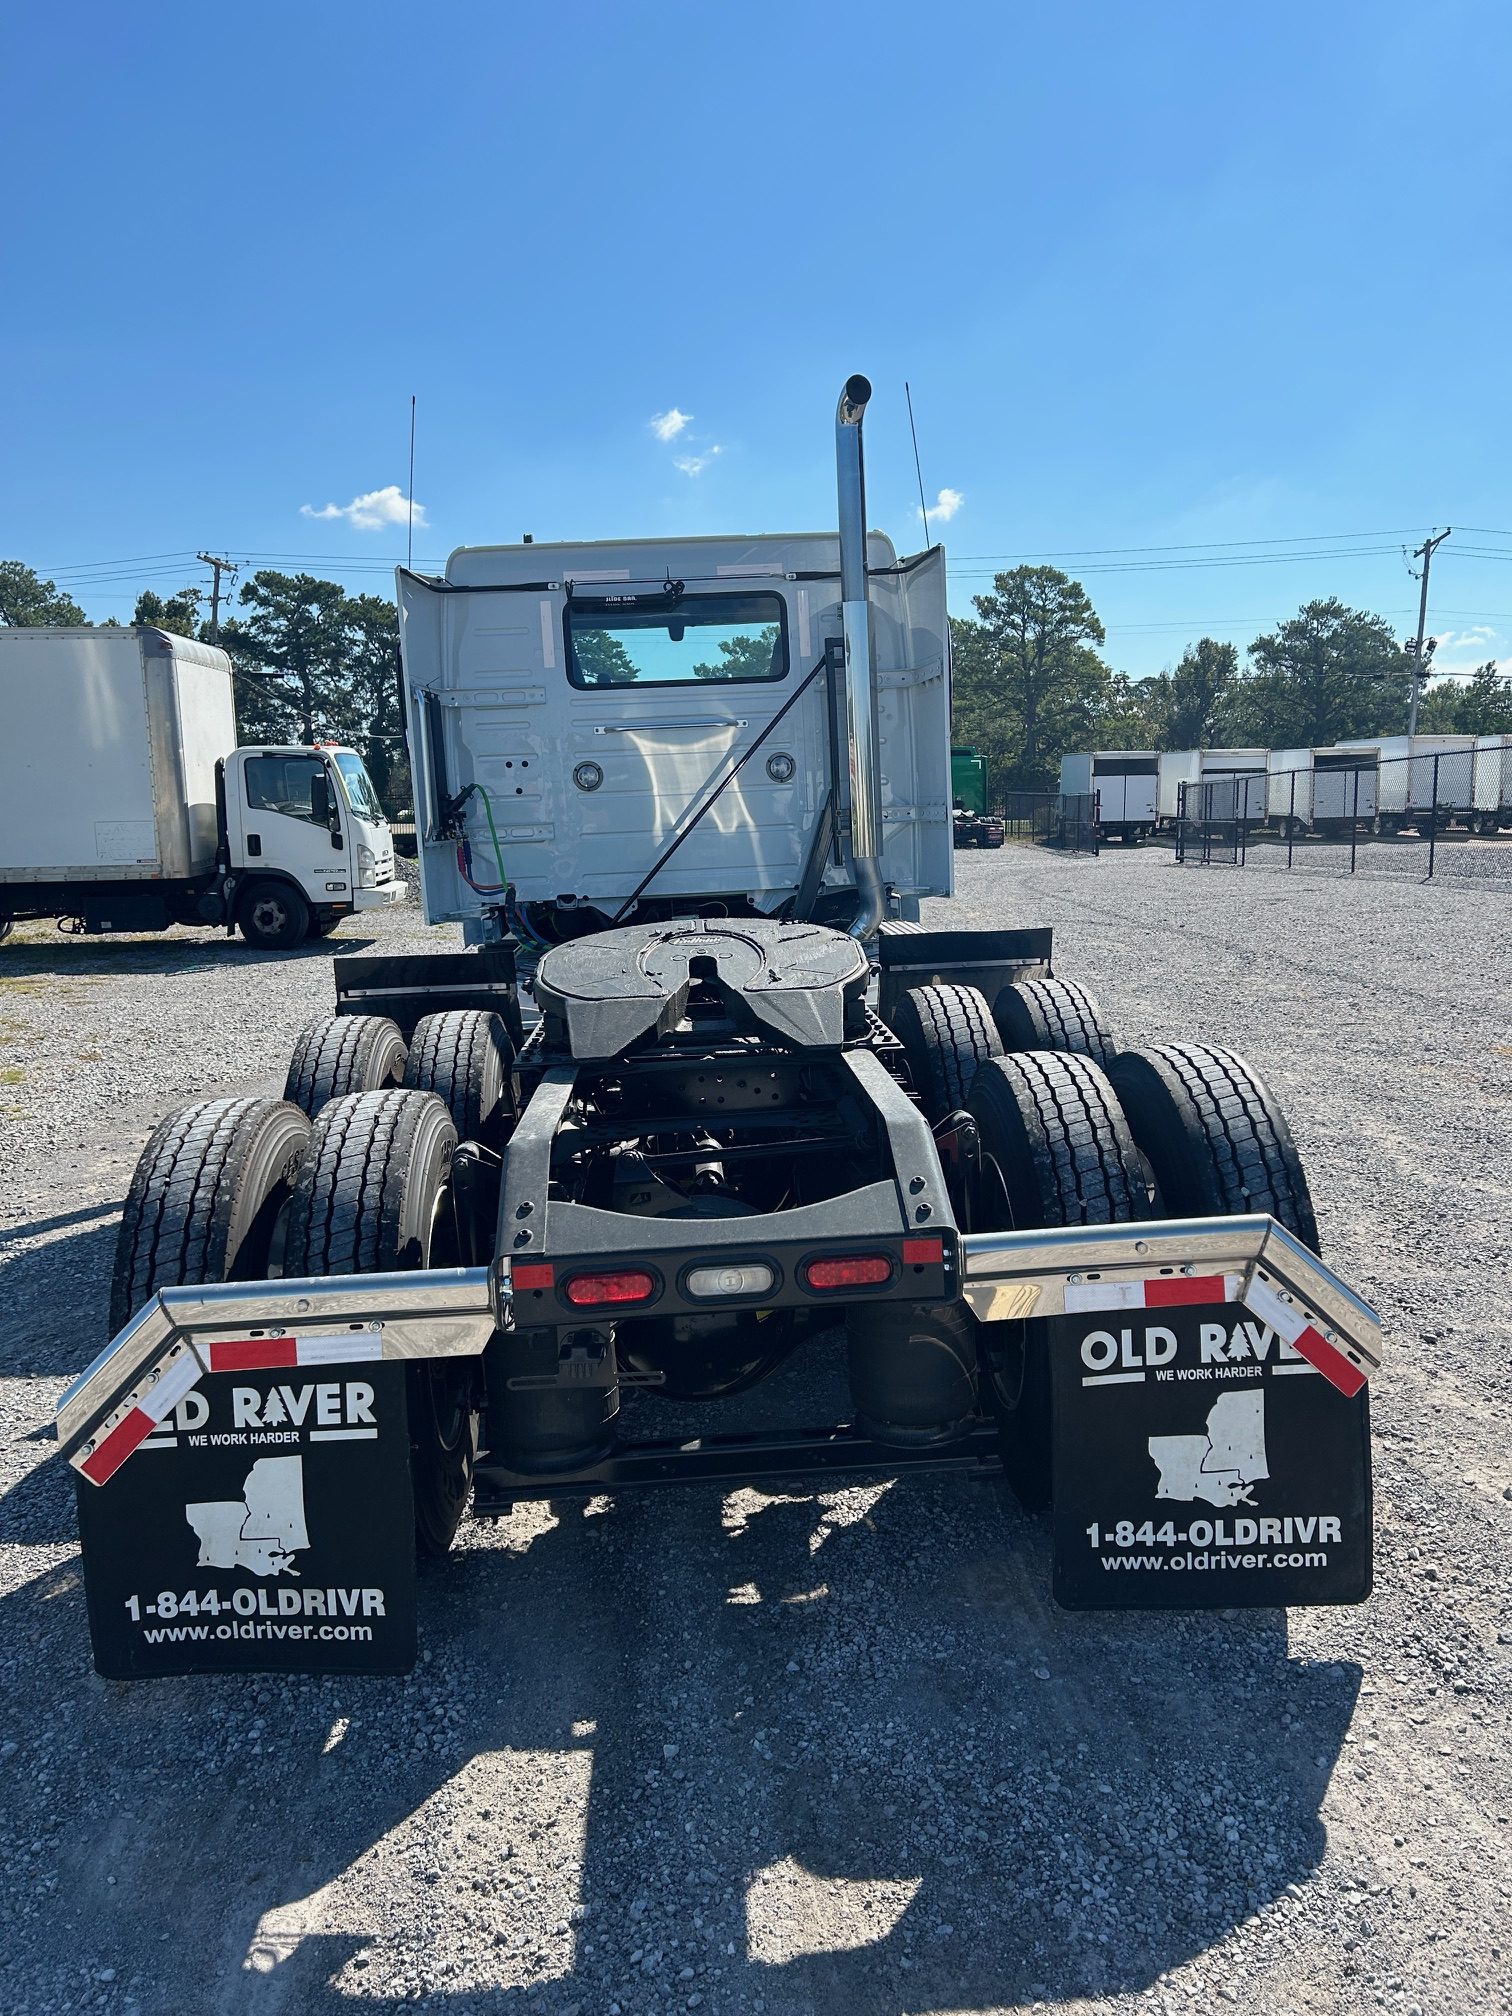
(1201, 1463)
(267, 1526)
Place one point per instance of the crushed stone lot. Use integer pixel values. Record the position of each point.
(797, 1752)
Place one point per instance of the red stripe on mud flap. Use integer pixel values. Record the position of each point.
(1332, 1363)
(1173, 1291)
(254, 1354)
(117, 1446)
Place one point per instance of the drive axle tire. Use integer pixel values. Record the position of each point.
(1055, 1150)
(205, 1198)
(340, 1054)
(272, 916)
(947, 1033)
(466, 1058)
(1053, 1015)
(1213, 1137)
(369, 1201)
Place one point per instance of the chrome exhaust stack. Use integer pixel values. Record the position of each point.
(860, 710)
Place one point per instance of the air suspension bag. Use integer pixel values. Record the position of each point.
(543, 1428)
(913, 1371)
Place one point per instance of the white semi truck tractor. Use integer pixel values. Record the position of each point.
(126, 806)
(703, 1098)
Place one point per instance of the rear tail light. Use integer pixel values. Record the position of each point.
(599, 1291)
(746, 1277)
(849, 1270)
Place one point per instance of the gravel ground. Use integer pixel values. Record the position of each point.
(793, 1752)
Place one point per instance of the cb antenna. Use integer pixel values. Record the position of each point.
(918, 471)
(409, 554)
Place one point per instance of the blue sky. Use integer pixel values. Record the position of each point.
(1162, 277)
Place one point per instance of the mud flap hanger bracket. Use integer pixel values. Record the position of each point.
(182, 1334)
(1173, 1263)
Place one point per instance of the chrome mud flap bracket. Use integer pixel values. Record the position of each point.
(243, 1473)
(185, 1334)
(1208, 1415)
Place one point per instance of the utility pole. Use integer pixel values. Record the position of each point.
(220, 567)
(1424, 553)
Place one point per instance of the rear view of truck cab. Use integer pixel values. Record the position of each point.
(572, 707)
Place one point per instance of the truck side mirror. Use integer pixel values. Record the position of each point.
(320, 799)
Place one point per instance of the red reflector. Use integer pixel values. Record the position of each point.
(592, 1291)
(928, 1252)
(532, 1274)
(849, 1270)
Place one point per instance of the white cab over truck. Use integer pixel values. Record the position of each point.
(1126, 783)
(124, 803)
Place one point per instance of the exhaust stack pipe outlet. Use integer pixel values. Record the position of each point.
(860, 710)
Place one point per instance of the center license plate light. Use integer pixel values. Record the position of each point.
(745, 1277)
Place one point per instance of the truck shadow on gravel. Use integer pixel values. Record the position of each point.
(780, 1752)
(77, 958)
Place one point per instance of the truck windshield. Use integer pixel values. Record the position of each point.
(729, 638)
(361, 796)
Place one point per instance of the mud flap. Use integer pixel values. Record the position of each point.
(265, 1525)
(1201, 1462)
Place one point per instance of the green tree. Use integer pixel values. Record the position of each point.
(1028, 682)
(1192, 697)
(601, 659)
(297, 630)
(1481, 705)
(742, 657)
(1130, 711)
(27, 600)
(1327, 672)
(178, 614)
(373, 673)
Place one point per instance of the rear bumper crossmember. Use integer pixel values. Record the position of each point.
(185, 1334)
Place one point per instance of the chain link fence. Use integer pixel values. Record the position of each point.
(1051, 818)
(1436, 815)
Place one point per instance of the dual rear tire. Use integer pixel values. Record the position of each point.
(236, 1189)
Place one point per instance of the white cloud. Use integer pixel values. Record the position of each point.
(372, 510)
(695, 465)
(946, 505)
(667, 426)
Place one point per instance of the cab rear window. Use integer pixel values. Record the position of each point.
(675, 639)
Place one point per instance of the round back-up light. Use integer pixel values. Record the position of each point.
(598, 1291)
(744, 1277)
(849, 1270)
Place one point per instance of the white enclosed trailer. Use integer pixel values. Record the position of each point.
(1320, 790)
(1126, 784)
(125, 804)
(1492, 782)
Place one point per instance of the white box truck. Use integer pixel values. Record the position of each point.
(1235, 780)
(126, 806)
(1491, 783)
(1422, 775)
(1126, 784)
(1320, 790)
